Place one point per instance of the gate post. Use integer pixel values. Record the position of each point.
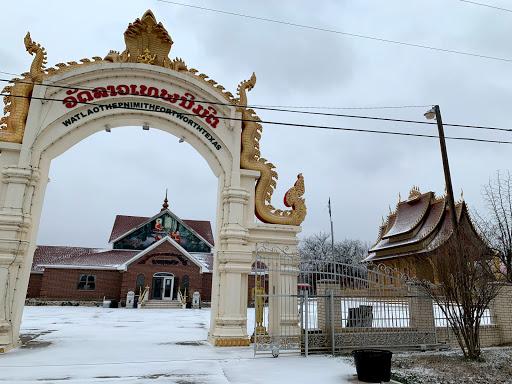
(331, 300)
(289, 319)
(421, 310)
(501, 313)
(326, 310)
(305, 315)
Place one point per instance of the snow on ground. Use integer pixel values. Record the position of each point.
(100, 345)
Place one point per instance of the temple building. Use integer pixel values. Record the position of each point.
(419, 225)
(162, 252)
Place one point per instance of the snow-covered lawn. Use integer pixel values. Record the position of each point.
(99, 345)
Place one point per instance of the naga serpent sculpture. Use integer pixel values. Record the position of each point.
(12, 127)
(250, 159)
(19, 100)
(17, 103)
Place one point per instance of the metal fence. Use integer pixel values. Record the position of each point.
(441, 320)
(324, 306)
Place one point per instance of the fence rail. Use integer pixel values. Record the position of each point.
(329, 306)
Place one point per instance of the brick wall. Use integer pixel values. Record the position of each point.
(421, 311)
(324, 287)
(501, 311)
(207, 287)
(497, 334)
(62, 284)
(489, 336)
(147, 267)
(34, 285)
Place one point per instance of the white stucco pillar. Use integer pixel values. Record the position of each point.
(17, 187)
(4, 323)
(234, 259)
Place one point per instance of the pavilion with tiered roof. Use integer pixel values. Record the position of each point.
(419, 225)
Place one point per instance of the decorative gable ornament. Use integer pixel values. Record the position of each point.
(154, 229)
(148, 42)
(414, 193)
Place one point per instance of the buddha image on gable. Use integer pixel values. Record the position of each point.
(158, 225)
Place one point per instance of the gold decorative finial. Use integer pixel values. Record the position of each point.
(390, 210)
(382, 220)
(399, 197)
(165, 205)
(461, 194)
(146, 57)
(415, 192)
(147, 40)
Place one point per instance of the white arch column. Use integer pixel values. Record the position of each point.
(16, 191)
(228, 325)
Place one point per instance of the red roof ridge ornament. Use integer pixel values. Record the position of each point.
(165, 205)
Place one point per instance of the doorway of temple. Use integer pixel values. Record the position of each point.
(163, 285)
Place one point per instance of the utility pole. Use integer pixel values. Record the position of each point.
(332, 233)
(446, 166)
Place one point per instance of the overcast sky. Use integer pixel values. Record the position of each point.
(127, 171)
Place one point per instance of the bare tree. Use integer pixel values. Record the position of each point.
(318, 247)
(317, 256)
(350, 250)
(496, 226)
(466, 285)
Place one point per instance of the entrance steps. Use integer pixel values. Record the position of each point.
(162, 304)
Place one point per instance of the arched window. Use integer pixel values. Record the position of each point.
(140, 284)
(184, 284)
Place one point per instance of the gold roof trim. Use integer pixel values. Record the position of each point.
(148, 42)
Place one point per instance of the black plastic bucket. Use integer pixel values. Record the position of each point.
(373, 365)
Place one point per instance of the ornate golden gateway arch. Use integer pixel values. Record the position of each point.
(48, 110)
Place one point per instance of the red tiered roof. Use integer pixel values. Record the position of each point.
(419, 224)
(60, 255)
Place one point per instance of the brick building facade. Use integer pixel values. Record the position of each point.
(163, 253)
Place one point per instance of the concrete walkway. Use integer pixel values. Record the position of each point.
(102, 345)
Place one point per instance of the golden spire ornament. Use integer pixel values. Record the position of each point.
(165, 205)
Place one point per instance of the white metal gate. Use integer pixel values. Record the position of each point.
(324, 306)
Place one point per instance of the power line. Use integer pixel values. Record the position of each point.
(486, 5)
(322, 107)
(340, 32)
(9, 73)
(166, 98)
(290, 124)
(263, 107)
(68, 86)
